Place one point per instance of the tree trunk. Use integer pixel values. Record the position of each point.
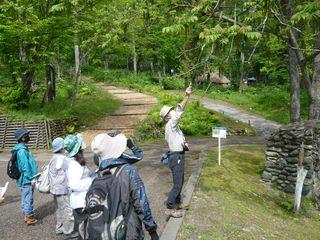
(26, 84)
(242, 72)
(51, 82)
(58, 62)
(314, 90)
(134, 54)
(294, 62)
(78, 71)
(295, 108)
(106, 61)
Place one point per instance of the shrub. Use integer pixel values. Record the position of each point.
(11, 96)
(173, 83)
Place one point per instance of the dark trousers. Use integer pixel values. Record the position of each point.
(176, 164)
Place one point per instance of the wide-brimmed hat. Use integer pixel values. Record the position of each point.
(20, 133)
(165, 110)
(73, 143)
(57, 144)
(109, 147)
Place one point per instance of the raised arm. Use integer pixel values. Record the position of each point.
(188, 93)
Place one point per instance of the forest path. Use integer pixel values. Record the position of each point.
(134, 108)
(260, 124)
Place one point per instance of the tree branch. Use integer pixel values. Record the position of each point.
(257, 43)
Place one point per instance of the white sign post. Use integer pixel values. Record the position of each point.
(219, 132)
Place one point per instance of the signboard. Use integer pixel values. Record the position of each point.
(219, 132)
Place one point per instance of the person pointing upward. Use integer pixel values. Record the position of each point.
(177, 146)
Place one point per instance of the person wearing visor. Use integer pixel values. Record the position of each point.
(78, 176)
(28, 169)
(58, 183)
(177, 146)
(128, 196)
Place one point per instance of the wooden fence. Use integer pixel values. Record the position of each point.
(41, 132)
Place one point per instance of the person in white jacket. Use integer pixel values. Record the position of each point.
(78, 175)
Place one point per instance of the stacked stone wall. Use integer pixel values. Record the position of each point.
(282, 156)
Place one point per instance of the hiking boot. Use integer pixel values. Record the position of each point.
(72, 235)
(31, 220)
(182, 206)
(25, 219)
(173, 213)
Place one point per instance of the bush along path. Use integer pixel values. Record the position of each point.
(135, 107)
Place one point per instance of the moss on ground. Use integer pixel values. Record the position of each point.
(231, 202)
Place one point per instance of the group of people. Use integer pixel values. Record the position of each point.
(82, 198)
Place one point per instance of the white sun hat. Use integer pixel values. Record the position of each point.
(165, 110)
(109, 147)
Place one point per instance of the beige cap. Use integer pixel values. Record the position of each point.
(165, 110)
(109, 147)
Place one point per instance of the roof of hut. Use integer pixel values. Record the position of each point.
(215, 78)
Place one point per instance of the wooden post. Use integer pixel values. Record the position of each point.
(5, 132)
(219, 151)
(301, 175)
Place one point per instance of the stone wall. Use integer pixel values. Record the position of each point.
(282, 156)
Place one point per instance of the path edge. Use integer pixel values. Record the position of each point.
(172, 227)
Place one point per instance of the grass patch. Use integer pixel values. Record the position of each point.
(91, 105)
(231, 202)
(197, 120)
(271, 102)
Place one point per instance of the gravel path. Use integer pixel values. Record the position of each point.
(260, 124)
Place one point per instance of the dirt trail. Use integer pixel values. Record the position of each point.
(260, 124)
(134, 108)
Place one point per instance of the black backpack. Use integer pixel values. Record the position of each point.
(12, 167)
(106, 215)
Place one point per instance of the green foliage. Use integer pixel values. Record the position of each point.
(11, 96)
(187, 39)
(196, 121)
(91, 105)
(173, 83)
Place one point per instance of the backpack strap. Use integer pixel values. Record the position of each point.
(119, 169)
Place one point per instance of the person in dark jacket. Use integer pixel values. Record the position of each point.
(111, 154)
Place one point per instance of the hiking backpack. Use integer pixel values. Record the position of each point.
(106, 217)
(12, 167)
